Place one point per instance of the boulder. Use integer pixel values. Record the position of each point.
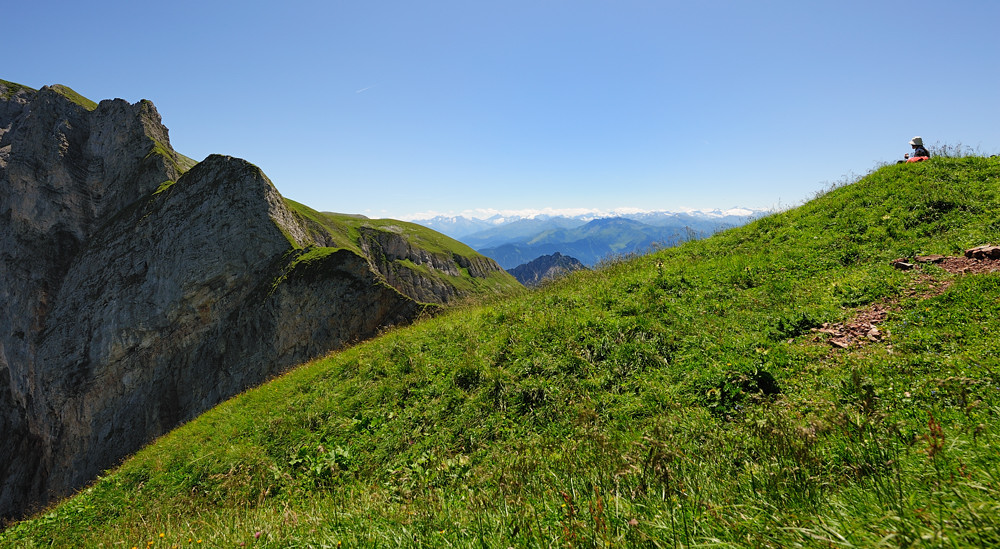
(983, 252)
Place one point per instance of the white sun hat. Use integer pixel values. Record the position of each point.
(917, 141)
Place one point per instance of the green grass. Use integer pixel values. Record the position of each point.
(163, 187)
(180, 163)
(677, 399)
(74, 97)
(347, 229)
(12, 88)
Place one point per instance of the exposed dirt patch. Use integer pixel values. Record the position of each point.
(860, 329)
(863, 327)
(966, 265)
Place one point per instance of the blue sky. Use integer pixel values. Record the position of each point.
(392, 108)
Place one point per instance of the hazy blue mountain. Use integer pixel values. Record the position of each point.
(591, 242)
(699, 221)
(457, 226)
(520, 230)
(509, 227)
(514, 240)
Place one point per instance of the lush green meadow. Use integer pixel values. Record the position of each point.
(682, 398)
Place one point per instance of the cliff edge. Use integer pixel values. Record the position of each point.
(139, 288)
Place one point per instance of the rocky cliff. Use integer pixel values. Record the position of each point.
(546, 267)
(138, 289)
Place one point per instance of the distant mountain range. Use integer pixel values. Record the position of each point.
(460, 226)
(515, 240)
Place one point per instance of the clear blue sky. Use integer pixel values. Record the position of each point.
(390, 108)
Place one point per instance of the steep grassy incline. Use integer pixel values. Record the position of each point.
(687, 397)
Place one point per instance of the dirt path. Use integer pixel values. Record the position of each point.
(863, 327)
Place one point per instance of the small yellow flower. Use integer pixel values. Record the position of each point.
(162, 535)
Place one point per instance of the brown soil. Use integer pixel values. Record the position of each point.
(965, 265)
(860, 329)
(864, 326)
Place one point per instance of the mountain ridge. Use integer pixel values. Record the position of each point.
(589, 237)
(594, 241)
(460, 227)
(140, 287)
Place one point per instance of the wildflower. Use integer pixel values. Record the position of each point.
(162, 535)
(256, 535)
(906, 394)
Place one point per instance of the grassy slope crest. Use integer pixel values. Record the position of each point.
(678, 398)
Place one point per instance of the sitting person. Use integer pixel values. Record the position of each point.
(919, 152)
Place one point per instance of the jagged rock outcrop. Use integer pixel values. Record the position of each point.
(546, 267)
(983, 252)
(405, 264)
(390, 252)
(62, 169)
(136, 291)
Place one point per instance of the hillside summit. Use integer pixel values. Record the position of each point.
(140, 288)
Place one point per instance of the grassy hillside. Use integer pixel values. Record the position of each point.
(688, 397)
(346, 231)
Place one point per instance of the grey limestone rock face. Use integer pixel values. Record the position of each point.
(387, 247)
(62, 167)
(389, 251)
(135, 295)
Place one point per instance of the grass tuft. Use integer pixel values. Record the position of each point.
(74, 97)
